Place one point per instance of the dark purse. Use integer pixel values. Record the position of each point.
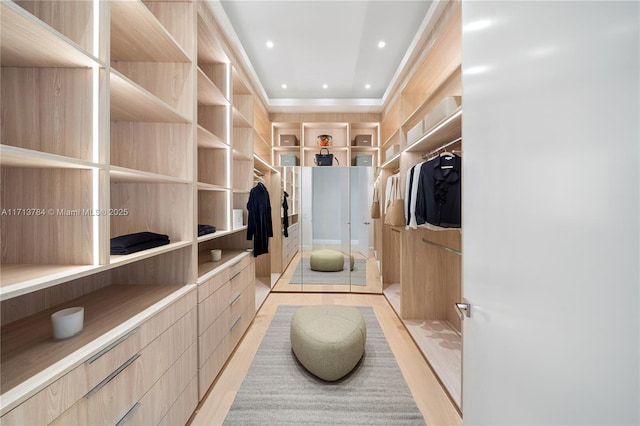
(325, 159)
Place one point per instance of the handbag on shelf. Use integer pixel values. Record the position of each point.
(323, 159)
(375, 205)
(395, 213)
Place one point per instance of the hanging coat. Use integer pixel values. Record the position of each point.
(285, 218)
(260, 227)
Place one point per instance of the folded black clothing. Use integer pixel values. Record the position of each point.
(205, 229)
(124, 241)
(139, 247)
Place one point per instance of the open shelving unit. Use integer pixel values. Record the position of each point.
(424, 119)
(146, 122)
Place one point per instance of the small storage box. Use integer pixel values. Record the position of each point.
(362, 140)
(288, 160)
(237, 218)
(364, 160)
(415, 133)
(391, 151)
(288, 140)
(444, 109)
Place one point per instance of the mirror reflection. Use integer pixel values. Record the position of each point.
(328, 230)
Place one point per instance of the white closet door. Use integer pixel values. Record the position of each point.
(551, 212)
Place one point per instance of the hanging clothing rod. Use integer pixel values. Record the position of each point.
(459, 253)
(257, 172)
(445, 146)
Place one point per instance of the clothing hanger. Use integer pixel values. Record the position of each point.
(448, 156)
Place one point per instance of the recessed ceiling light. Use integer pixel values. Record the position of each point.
(367, 86)
(270, 44)
(324, 86)
(284, 86)
(381, 44)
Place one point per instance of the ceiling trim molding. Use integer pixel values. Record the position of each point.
(398, 81)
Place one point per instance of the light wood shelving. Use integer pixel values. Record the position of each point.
(147, 124)
(424, 281)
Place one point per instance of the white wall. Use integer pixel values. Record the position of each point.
(551, 212)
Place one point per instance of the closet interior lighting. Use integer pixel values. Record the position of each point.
(435, 129)
(391, 160)
(445, 146)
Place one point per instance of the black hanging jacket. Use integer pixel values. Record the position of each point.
(285, 218)
(260, 227)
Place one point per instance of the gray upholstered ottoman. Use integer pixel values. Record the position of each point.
(328, 340)
(327, 260)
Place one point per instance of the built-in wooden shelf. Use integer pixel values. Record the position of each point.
(150, 42)
(130, 102)
(209, 269)
(124, 259)
(123, 174)
(19, 279)
(31, 357)
(13, 156)
(241, 156)
(209, 187)
(209, 93)
(446, 131)
(25, 41)
(215, 235)
(441, 345)
(206, 139)
(239, 120)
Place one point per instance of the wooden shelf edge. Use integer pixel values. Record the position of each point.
(452, 124)
(46, 280)
(235, 256)
(202, 186)
(15, 396)
(211, 94)
(125, 259)
(217, 234)
(60, 51)
(21, 157)
(127, 14)
(148, 107)
(126, 175)
(206, 139)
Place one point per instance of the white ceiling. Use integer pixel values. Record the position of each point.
(324, 42)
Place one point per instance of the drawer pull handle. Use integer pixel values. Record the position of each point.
(111, 376)
(235, 323)
(130, 413)
(112, 345)
(235, 299)
(233, 277)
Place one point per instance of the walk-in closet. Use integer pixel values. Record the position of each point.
(181, 179)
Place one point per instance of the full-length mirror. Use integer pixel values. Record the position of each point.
(333, 230)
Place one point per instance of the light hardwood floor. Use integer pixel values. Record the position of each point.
(431, 399)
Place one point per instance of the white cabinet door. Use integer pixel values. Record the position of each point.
(551, 212)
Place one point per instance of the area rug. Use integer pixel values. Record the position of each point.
(279, 391)
(304, 275)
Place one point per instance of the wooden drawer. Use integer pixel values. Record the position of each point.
(242, 280)
(184, 406)
(63, 393)
(213, 306)
(239, 265)
(156, 403)
(210, 286)
(239, 305)
(212, 336)
(111, 400)
(212, 366)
